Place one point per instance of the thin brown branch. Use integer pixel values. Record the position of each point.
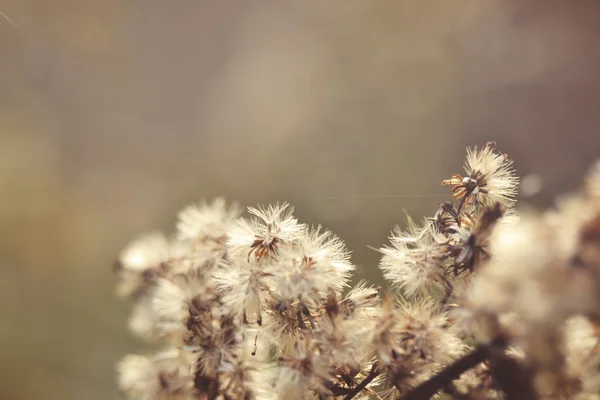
(512, 377)
(453, 371)
(339, 390)
(301, 320)
(359, 388)
(309, 316)
(449, 289)
(459, 208)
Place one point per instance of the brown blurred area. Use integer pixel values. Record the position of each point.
(114, 115)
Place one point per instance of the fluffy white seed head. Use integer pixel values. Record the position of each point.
(413, 258)
(361, 301)
(497, 171)
(508, 282)
(207, 223)
(304, 371)
(262, 235)
(329, 253)
(430, 331)
(146, 251)
(244, 285)
(141, 263)
(175, 299)
(581, 341)
(143, 319)
(529, 284)
(166, 376)
(566, 220)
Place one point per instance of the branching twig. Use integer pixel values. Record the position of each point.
(453, 371)
(514, 379)
(372, 375)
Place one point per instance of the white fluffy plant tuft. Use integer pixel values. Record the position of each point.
(482, 304)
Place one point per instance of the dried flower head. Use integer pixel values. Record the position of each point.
(183, 303)
(414, 259)
(469, 247)
(244, 286)
(490, 178)
(141, 263)
(265, 232)
(207, 223)
(165, 376)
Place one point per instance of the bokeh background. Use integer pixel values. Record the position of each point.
(116, 114)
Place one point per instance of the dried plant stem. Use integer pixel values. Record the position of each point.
(459, 209)
(309, 316)
(301, 320)
(340, 391)
(448, 289)
(372, 375)
(514, 380)
(441, 380)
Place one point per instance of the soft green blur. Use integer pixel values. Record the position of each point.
(114, 115)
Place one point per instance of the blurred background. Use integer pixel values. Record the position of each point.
(116, 114)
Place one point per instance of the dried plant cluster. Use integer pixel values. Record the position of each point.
(484, 304)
